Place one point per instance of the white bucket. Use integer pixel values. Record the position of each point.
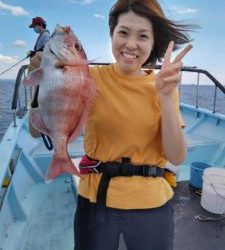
(213, 190)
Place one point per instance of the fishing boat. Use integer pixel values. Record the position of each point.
(39, 216)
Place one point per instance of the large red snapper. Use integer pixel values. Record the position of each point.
(65, 98)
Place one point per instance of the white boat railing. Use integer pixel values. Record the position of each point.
(17, 108)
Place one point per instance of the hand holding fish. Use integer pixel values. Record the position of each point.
(169, 76)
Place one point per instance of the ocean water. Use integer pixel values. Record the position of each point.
(6, 95)
(187, 95)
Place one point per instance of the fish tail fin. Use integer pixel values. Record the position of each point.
(60, 166)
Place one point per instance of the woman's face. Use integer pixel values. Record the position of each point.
(132, 43)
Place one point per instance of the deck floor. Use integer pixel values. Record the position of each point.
(190, 233)
(52, 209)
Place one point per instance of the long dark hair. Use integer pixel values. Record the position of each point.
(164, 30)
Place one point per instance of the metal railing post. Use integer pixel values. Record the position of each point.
(14, 118)
(197, 91)
(214, 101)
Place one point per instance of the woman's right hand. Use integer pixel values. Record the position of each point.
(168, 77)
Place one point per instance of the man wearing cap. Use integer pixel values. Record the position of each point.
(39, 26)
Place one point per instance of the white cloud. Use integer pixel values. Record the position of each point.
(14, 10)
(82, 1)
(8, 61)
(182, 11)
(99, 16)
(87, 1)
(20, 44)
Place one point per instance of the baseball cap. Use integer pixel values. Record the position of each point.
(37, 20)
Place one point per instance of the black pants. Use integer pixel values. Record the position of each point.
(142, 229)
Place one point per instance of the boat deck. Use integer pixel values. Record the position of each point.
(50, 209)
(46, 206)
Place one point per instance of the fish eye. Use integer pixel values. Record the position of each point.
(78, 46)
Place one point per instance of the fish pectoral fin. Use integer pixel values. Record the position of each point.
(36, 121)
(60, 166)
(33, 78)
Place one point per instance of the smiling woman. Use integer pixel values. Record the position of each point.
(131, 147)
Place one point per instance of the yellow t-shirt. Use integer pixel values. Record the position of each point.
(126, 122)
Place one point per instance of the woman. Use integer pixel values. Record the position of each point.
(133, 129)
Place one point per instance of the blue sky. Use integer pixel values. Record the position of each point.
(88, 19)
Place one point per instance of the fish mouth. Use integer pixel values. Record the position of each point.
(59, 56)
(53, 53)
(62, 64)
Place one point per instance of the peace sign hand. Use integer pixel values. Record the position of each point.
(169, 76)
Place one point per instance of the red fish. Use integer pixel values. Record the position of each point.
(66, 95)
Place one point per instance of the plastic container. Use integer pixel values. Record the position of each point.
(213, 190)
(197, 169)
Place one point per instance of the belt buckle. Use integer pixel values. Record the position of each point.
(149, 170)
(154, 171)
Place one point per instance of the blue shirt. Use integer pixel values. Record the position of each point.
(42, 40)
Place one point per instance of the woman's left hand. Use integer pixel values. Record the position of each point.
(169, 76)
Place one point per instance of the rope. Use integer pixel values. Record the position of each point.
(47, 141)
(207, 218)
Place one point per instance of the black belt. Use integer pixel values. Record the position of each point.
(125, 168)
